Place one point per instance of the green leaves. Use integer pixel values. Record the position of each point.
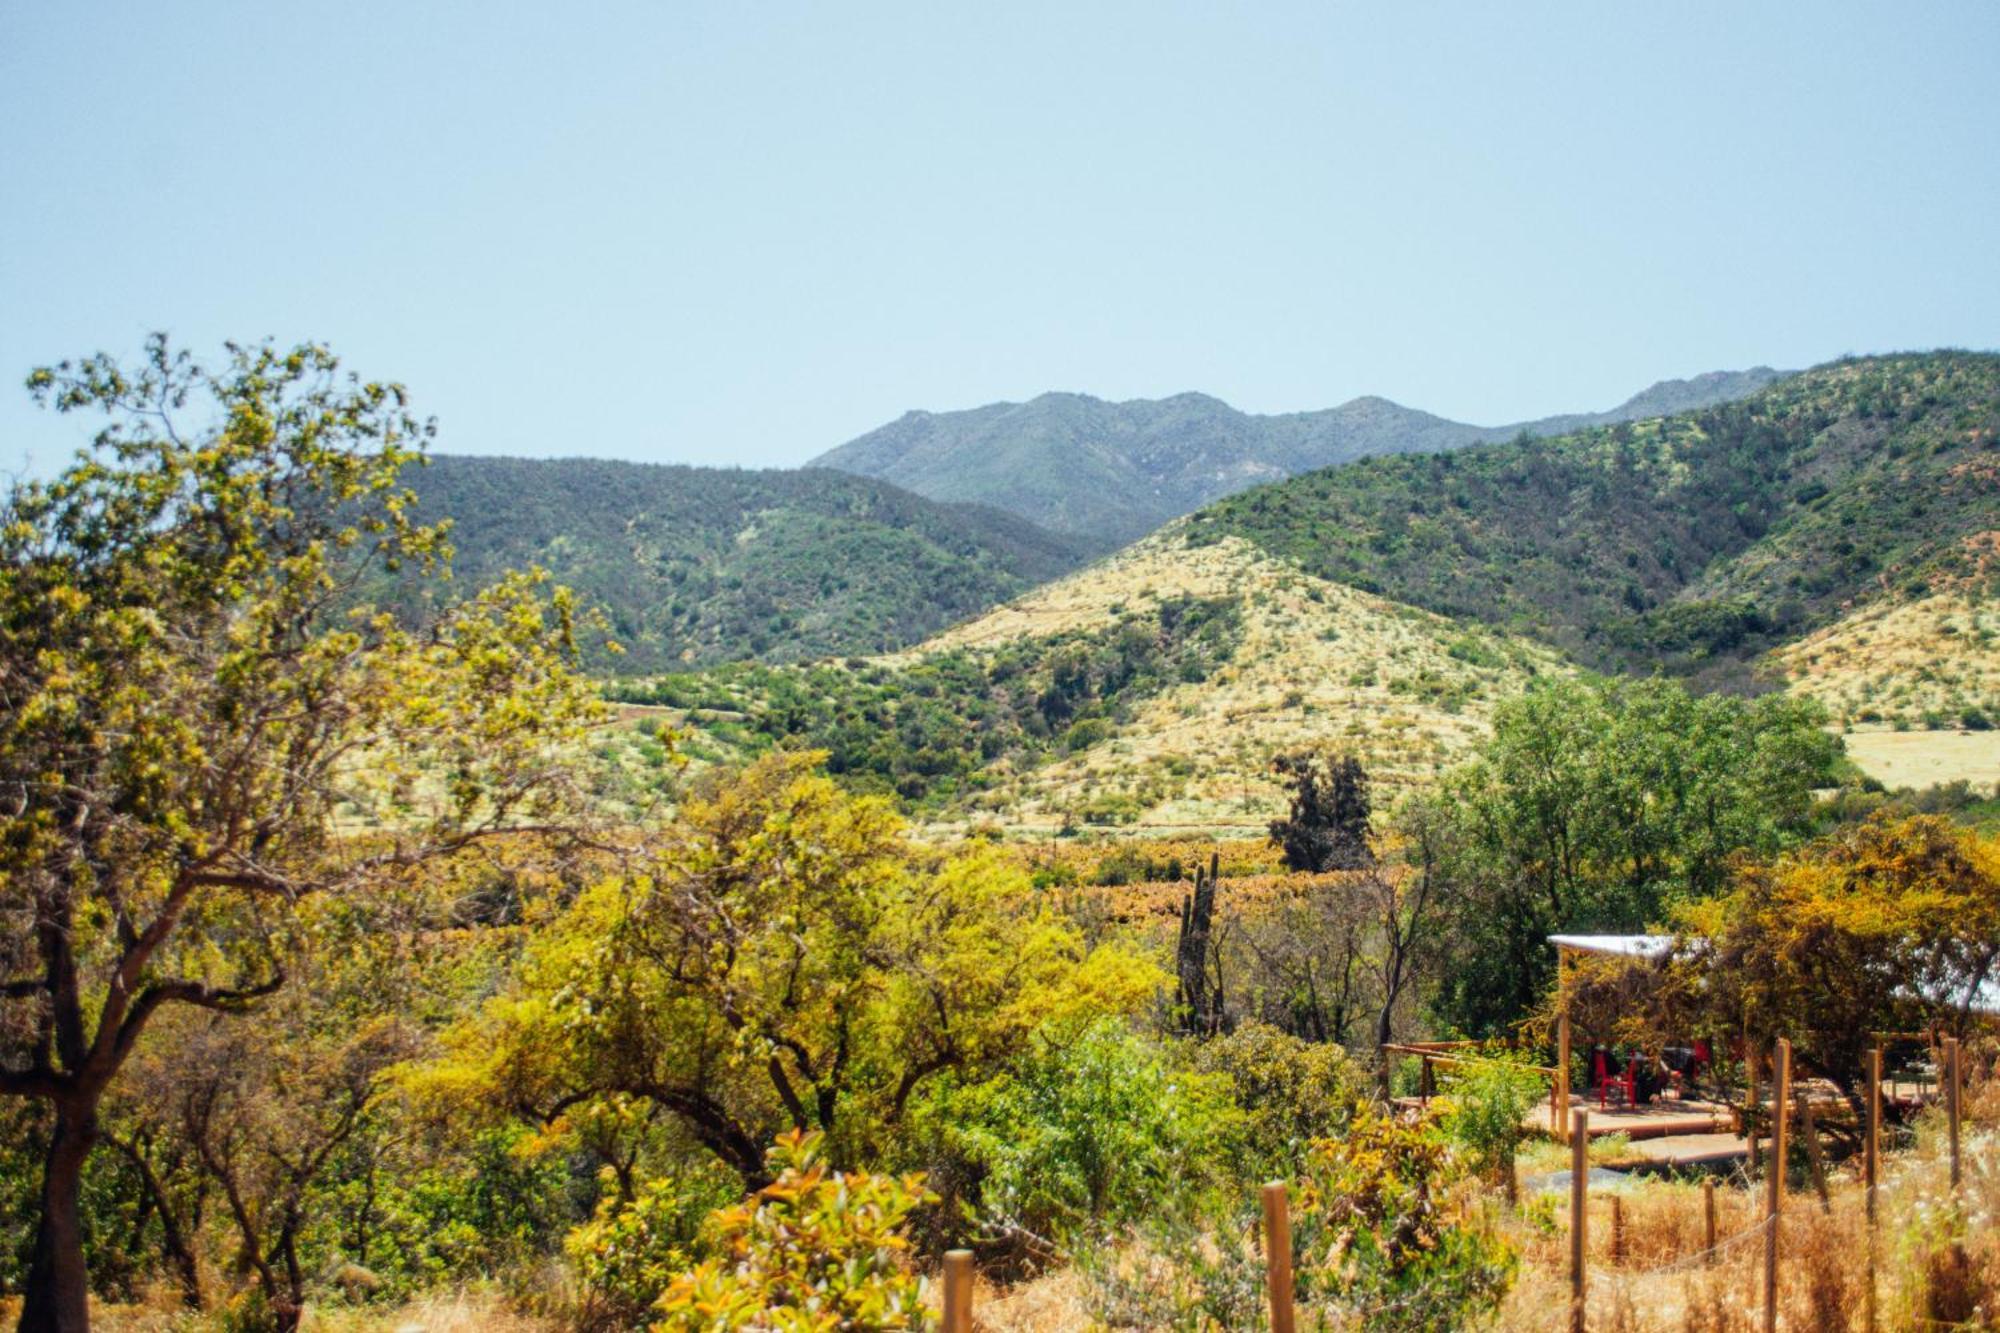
(1597, 806)
(815, 1251)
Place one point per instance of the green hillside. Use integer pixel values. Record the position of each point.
(702, 565)
(1692, 541)
(1112, 472)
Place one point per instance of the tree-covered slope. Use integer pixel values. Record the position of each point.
(1688, 541)
(1112, 472)
(699, 565)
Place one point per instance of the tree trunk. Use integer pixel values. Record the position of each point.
(58, 1288)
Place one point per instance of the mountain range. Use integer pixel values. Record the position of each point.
(1109, 473)
(699, 565)
(1835, 535)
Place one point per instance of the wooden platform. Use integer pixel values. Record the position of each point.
(1656, 1120)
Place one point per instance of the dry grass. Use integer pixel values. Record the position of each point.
(1925, 758)
(468, 1310)
(1319, 663)
(1891, 661)
(1936, 1260)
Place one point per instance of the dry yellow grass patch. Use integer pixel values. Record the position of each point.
(1925, 758)
(1319, 664)
(1891, 661)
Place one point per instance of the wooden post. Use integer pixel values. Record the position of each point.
(1813, 1159)
(1426, 1084)
(1951, 1101)
(958, 1291)
(1617, 1232)
(1278, 1256)
(1559, 1093)
(1708, 1222)
(1871, 1149)
(1775, 1195)
(1579, 1212)
(1753, 1058)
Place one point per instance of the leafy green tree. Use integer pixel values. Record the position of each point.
(1596, 806)
(193, 707)
(1092, 1131)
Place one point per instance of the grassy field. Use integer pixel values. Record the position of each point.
(1926, 758)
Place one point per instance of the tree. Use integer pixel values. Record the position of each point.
(783, 959)
(1888, 925)
(1598, 805)
(194, 698)
(1327, 828)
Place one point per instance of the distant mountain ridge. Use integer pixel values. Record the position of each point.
(702, 565)
(1692, 542)
(1112, 472)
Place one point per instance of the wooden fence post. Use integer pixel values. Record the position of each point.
(1810, 1130)
(1871, 1149)
(1278, 1256)
(1579, 1212)
(1559, 1090)
(1775, 1196)
(1951, 1100)
(1753, 1059)
(958, 1291)
(1617, 1232)
(1708, 1222)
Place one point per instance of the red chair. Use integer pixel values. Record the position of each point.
(1614, 1087)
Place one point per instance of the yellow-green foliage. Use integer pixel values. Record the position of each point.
(784, 958)
(815, 1251)
(1880, 927)
(1401, 1245)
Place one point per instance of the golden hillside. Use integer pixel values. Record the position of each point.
(1928, 662)
(1317, 663)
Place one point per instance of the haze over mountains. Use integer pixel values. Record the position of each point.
(1112, 472)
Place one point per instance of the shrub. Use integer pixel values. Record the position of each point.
(1089, 1133)
(816, 1249)
(1485, 1103)
(1291, 1091)
(630, 1252)
(1396, 1243)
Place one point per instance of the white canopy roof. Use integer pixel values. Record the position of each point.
(1625, 946)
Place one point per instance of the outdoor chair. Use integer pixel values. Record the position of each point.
(1613, 1086)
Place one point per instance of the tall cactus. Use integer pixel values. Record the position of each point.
(1200, 1002)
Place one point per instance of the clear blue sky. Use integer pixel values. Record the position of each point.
(744, 233)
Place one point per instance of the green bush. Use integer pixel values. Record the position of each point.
(816, 1249)
(627, 1256)
(1391, 1238)
(1485, 1103)
(1089, 1133)
(1292, 1092)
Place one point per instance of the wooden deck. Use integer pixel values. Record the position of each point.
(1656, 1120)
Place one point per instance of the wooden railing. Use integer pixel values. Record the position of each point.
(1443, 1053)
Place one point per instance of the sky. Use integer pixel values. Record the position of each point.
(742, 234)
